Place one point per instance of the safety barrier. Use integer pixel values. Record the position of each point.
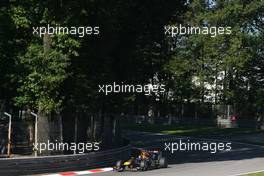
(60, 163)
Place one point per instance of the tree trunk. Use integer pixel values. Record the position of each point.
(76, 130)
(195, 111)
(43, 133)
(46, 43)
(61, 128)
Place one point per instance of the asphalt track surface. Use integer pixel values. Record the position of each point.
(243, 158)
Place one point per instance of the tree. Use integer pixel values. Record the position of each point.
(219, 60)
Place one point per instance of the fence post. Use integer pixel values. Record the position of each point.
(9, 134)
(36, 131)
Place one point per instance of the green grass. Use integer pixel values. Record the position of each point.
(186, 131)
(256, 174)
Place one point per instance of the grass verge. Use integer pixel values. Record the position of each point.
(256, 174)
(188, 130)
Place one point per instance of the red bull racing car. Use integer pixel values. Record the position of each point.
(142, 160)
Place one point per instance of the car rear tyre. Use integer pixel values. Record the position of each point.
(163, 163)
(143, 165)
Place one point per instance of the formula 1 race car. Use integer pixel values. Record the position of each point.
(142, 160)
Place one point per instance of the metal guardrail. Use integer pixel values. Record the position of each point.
(47, 164)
